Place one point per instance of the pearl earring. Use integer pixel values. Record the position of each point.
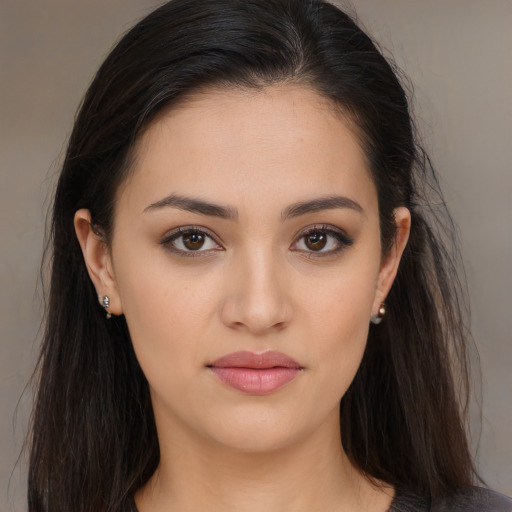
(377, 319)
(105, 302)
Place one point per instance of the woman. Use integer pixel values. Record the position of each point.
(250, 305)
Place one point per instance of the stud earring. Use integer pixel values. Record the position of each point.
(377, 319)
(105, 302)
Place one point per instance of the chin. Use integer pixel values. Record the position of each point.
(260, 431)
(256, 440)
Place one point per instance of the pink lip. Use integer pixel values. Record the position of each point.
(256, 374)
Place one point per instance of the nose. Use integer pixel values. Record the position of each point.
(258, 296)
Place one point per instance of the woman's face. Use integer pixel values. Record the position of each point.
(246, 259)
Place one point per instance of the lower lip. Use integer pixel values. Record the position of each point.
(256, 381)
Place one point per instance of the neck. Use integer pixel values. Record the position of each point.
(314, 474)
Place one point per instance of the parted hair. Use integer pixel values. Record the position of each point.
(93, 440)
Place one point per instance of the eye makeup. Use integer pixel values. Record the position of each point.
(190, 241)
(317, 238)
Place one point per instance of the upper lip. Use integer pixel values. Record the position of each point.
(262, 360)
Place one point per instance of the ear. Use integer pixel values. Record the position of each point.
(97, 260)
(389, 265)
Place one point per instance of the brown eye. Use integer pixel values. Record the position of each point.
(316, 240)
(323, 241)
(193, 241)
(190, 242)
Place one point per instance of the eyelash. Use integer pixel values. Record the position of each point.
(342, 239)
(179, 232)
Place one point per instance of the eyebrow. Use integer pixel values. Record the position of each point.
(196, 205)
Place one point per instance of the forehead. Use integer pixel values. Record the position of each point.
(281, 142)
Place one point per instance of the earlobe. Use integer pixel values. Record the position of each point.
(98, 261)
(390, 263)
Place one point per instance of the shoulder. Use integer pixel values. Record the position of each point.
(473, 499)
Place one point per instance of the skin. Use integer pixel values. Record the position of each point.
(258, 284)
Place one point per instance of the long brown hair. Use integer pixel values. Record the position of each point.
(94, 440)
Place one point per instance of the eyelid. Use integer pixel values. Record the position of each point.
(341, 236)
(343, 239)
(174, 234)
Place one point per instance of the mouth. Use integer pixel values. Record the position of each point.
(256, 373)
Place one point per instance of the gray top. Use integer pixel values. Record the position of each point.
(470, 499)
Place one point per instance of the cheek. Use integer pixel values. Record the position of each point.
(338, 358)
(166, 312)
(338, 319)
(343, 328)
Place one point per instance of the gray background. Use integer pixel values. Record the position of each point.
(458, 54)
